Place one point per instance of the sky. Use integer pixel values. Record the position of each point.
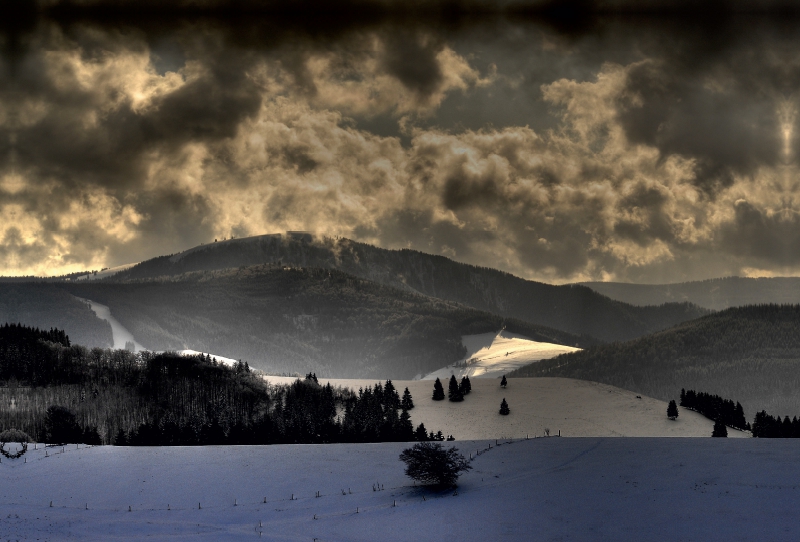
(559, 142)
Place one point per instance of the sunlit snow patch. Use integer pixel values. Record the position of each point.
(490, 355)
(220, 359)
(106, 272)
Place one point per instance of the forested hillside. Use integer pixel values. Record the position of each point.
(45, 306)
(750, 353)
(58, 392)
(575, 309)
(301, 320)
(714, 294)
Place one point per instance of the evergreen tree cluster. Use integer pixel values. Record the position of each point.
(72, 394)
(767, 426)
(26, 356)
(454, 392)
(715, 408)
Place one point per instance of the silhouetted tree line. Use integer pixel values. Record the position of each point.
(715, 408)
(58, 392)
(767, 426)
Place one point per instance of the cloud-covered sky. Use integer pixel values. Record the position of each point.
(560, 149)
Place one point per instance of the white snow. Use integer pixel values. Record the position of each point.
(119, 333)
(106, 272)
(541, 489)
(490, 355)
(220, 359)
(576, 407)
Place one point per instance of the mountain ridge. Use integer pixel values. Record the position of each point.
(572, 308)
(748, 354)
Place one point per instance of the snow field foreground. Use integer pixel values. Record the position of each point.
(578, 408)
(538, 489)
(491, 355)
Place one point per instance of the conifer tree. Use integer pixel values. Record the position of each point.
(405, 431)
(420, 433)
(466, 386)
(121, 439)
(672, 410)
(719, 429)
(438, 391)
(407, 402)
(454, 393)
(504, 410)
(504, 382)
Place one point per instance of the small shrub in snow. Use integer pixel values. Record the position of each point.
(504, 382)
(504, 410)
(430, 464)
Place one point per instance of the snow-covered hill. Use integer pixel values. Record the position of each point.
(575, 407)
(492, 355)
(540, 489)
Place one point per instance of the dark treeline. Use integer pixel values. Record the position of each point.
(766, 426)
(716, 408)
(58, 392)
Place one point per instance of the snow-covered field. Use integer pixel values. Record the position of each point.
(539, 489)
(576, 407)
(491, 355)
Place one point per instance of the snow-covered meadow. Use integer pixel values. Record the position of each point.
(539, 489)
(577, 408)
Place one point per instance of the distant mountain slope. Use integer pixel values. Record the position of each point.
(747, 354)
(46, 306)
(299, 320)
(575, 309)
(715, 294)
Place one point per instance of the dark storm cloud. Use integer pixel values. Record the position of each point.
(559, 151)
(717, 110)
(763, 237)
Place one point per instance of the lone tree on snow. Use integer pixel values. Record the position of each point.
(719, 429)
(453, 392)
(438, 391)
(504, 410)
(504, 382)
(672, 410)
(430, 464)
(406, 402)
